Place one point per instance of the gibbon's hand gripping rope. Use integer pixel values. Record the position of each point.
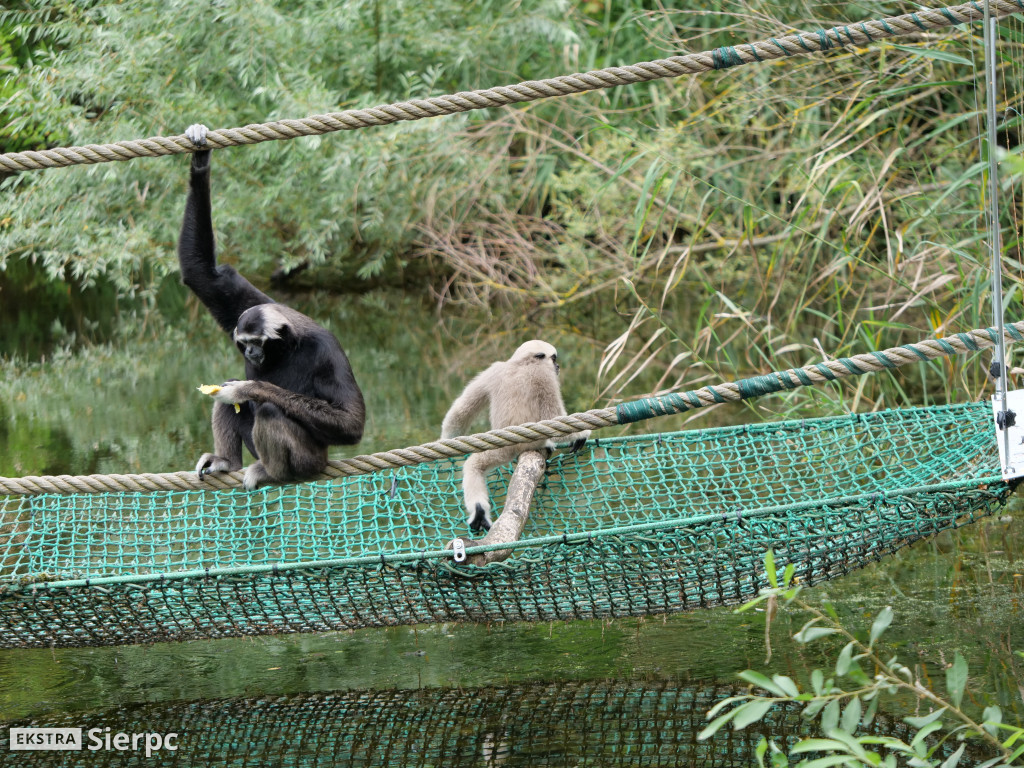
(417, 109)
(625, 413)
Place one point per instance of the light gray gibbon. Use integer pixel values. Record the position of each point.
(522, 389)
(299, 395)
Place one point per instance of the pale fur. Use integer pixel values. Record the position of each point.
(519, 390)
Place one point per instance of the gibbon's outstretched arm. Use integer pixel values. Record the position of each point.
(472, 400)
(326, 422)
(299, 396)
(221, 289)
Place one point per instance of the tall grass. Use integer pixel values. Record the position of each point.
(760, 218)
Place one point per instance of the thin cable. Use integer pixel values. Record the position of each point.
(1013, 69)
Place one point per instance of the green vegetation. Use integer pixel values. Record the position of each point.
(738, 222)
(940, 737)
(22, 46)
(349, 205)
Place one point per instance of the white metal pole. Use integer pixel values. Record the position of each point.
(995, 243)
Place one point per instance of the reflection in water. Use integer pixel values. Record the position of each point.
(549, 724)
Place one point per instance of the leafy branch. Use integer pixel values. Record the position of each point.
(845, 711)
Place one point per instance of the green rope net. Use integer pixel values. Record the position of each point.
(630, 526)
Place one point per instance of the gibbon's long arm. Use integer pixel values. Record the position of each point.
(467, 405)
(221, 289)
(328, 423)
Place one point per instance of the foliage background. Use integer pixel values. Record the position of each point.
(679, 232)
(708, 227)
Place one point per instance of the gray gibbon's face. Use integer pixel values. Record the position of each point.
(553, 358)
(536, 353)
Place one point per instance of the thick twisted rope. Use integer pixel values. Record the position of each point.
(676, 66)
(625, 413)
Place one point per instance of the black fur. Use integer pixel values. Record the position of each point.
(300, 395)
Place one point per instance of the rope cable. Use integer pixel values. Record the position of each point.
(531, 90)
(624, 413)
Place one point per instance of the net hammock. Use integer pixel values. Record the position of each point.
(630, 526)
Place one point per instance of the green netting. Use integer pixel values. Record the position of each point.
(630, 526)
(565, 724)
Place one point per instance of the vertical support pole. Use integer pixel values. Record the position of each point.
(995, 242)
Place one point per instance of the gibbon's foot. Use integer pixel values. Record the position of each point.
(480, 519)
(211, 462)
(255, 476)
(196, 133)
(579, 440)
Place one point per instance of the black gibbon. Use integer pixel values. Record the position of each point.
(299, 395)
(522, 389)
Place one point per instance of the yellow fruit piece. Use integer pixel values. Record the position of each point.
(213, 389)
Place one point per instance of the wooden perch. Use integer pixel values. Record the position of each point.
(509, 525)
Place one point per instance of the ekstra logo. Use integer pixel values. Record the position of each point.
(36, 739)
(51, 739)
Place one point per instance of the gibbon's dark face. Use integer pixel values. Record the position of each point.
(251, 348)
(258, 330)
